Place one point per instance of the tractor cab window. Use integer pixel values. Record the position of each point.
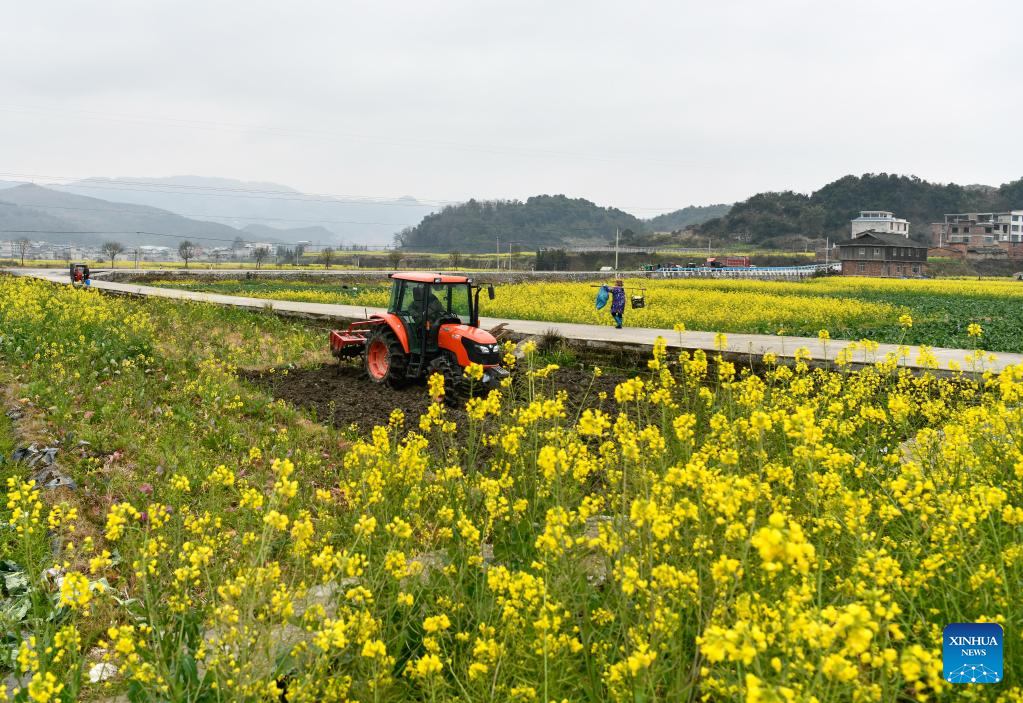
(422, 302)
(409, 298)
(455, 300)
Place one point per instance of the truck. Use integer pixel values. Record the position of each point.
(732, 262)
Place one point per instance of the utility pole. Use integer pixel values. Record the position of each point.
(827, 249)
(618, 231)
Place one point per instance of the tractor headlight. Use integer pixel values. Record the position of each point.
(482, 353)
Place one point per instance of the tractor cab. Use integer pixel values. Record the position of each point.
(79, 274)
(431, 326)
(423, 303)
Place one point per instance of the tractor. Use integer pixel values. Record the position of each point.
(79, 274)
(431, 326)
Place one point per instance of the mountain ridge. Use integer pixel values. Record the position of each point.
(52, 215)
(239, 203)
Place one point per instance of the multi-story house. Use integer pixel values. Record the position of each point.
(979, 231)
(879, 221)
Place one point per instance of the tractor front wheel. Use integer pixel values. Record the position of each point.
(386, 360)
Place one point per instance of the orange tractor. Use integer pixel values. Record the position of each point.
(431, 325)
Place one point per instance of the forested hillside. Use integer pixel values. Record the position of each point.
(826, 212)
(543, 220)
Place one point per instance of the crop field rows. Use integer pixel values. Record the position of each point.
(942, 310)
(686, 531)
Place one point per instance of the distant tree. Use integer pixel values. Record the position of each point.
(186, 250)
(394, 256)
(112, 250)
(260, 254)
(23, 244)
(551, 260)
(285, 255)
(326, 257)
(811, 220)
(455, 257)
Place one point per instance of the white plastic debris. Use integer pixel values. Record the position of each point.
(101, 672)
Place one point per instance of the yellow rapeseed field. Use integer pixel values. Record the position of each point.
(693, 532)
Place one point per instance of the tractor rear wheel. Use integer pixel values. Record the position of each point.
(386, 361)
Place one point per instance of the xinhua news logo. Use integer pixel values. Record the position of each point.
(971, 652)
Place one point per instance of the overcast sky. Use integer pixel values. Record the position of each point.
(648, 106)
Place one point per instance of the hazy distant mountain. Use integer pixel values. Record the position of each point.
(316, 235)
(57, 216)
(241, 203)
(686, 217)
(50, 215)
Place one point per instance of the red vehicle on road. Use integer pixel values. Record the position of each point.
(731, 262)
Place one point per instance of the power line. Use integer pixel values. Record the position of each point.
(254, 194)
(165, 213)
(249, 194)
(555, 228)
(113, 233)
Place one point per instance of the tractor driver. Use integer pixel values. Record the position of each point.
(435, 309)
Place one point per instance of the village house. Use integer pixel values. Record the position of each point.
(981, 234)
(882, 254)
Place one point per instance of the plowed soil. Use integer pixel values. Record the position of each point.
(342, 395)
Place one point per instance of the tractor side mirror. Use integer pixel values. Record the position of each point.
(490, 291)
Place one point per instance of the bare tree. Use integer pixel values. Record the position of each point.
(23, 244)
(112, 249)
(186, 250)
(326, 256)
(260, 254)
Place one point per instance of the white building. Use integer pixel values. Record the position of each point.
(879, 221)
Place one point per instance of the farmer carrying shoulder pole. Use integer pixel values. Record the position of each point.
(618, 303)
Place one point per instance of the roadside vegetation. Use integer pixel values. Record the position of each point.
(799, 534)
(849, 308)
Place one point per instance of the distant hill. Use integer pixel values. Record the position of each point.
(44, 214)
(316, 235)
(686, 217)
(242, 203)
(543, 220)
(826, 212)
(66, 218)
